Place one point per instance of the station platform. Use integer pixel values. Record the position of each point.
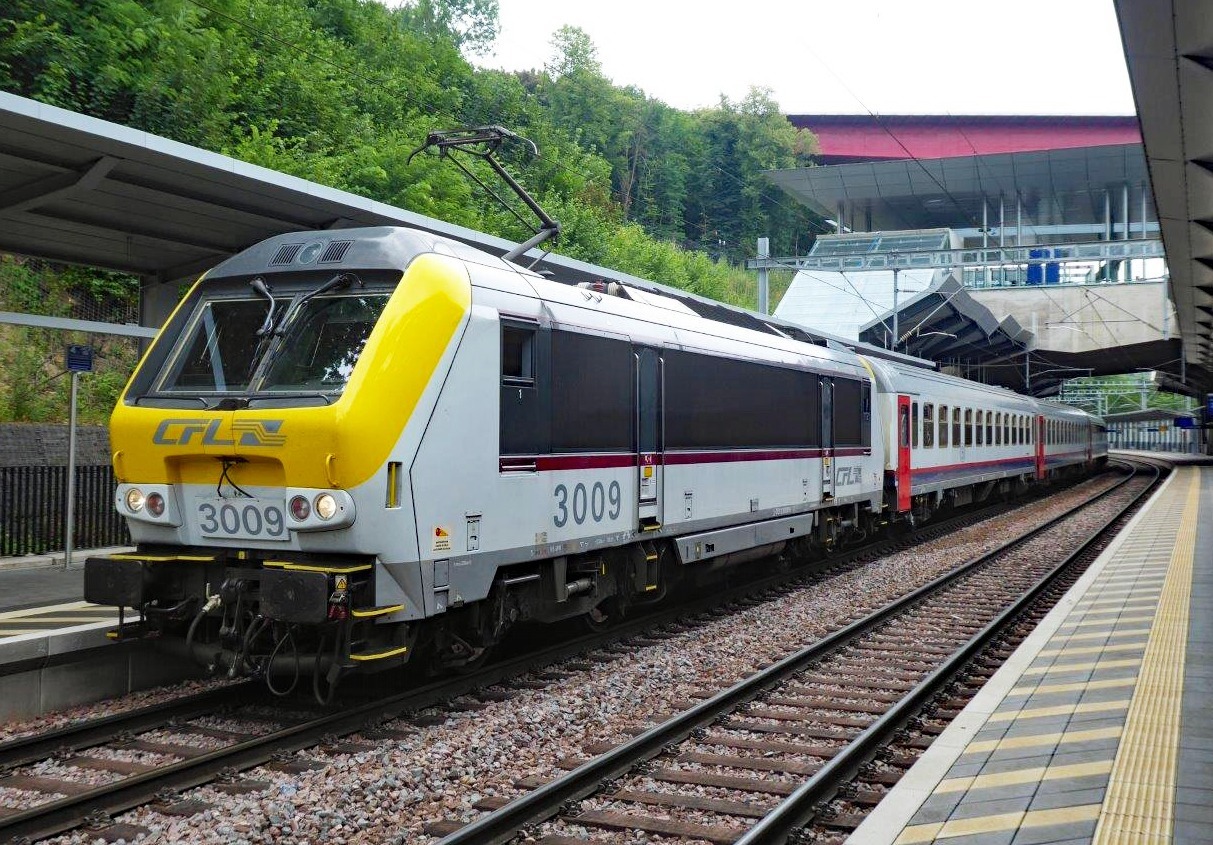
(55, 651)
(1097, 729)
(40, 580)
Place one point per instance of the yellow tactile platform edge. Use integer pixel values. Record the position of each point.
(1140, 802)
(889, 822)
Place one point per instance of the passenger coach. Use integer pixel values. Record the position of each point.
(953, 441)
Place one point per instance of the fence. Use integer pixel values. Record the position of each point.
(32, 506)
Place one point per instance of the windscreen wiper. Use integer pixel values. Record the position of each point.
(341, 280)
(267, 325)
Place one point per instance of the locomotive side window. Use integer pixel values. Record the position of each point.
(914, 423)
(592, 393)
(525, 398)
(852, 412)
(720, 403)
(517, 355)
(943, 426)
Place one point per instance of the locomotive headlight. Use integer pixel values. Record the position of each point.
(326, 506)
(155, 504)
(134, 500)
(301, 509)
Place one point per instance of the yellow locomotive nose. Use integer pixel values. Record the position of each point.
(340, 441)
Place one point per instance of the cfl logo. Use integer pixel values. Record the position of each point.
(181, 432)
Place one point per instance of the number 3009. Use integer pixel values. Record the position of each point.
(587, 503)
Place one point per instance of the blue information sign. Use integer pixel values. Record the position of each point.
(80, 359)
(1185, 422)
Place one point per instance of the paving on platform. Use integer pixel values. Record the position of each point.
(1096, 729)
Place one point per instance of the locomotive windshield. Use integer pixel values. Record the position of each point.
(314, 351)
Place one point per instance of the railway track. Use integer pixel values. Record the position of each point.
(757, 761)
(264, 739)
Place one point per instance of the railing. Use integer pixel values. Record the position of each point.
(968, 257)
(32, 506)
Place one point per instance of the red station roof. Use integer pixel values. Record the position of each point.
(850, 138)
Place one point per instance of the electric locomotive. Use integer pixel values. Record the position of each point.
(348, 447)
(343, 446)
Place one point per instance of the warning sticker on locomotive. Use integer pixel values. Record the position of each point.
(442, 538)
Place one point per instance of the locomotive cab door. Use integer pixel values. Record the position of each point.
(826, 386)
(903, 453)
(649, 437)
(1040, 447)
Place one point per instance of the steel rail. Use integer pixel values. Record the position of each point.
(83, 735)
(59, 816)
(544, 802)
(799, 808)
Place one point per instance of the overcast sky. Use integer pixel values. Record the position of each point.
(826, 56)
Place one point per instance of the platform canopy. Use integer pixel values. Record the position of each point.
(79, 190)
(1169, 50)
(1057, 188)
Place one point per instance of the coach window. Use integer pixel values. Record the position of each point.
(989, 428)
(998, 428)
(957, 440)
(1006, 429)
(928, 426)
(943, 426)
(981, 415)
(914, 422)
(968, 426)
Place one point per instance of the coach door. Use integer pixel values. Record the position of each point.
(648, 437)
(1040, 446)
(827, 437)
(903, 453)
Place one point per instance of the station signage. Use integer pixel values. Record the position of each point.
(79, 359)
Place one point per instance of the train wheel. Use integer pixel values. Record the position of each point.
(606, 614)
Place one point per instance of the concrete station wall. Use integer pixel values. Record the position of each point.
(1084, 318)
(37, 444)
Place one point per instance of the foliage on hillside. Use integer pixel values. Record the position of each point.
(33, 387)
(341, 91)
